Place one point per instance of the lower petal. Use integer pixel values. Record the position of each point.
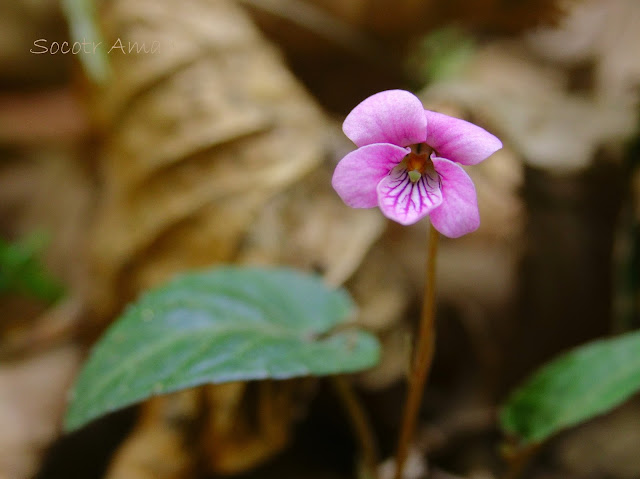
(458, 213)
(404, 201)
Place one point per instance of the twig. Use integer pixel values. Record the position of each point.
(359, 422)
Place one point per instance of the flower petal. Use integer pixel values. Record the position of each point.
(407, 202)
(393, 116)
(458, 213)
(357, 175)
(459, 140)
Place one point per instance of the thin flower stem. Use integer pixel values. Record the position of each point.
(360, 424)
(422, 357)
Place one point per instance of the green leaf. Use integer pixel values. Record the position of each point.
(82, 18)
(226, 324)
(22, 272)
(587, 381)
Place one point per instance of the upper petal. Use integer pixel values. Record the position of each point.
(393, 116)
(458, 213)
(459, 140)
(357, 175)
(404, 201)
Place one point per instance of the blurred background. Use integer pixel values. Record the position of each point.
(181, 134)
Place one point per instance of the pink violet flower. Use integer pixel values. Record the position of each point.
(408, 163)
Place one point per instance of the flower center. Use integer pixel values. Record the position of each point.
(418, 162)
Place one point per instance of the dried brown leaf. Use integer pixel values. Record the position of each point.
(250, 422)
(32, 400)
(193, 145)
(308, 227)
(164, 443)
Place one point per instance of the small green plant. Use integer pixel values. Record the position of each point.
(22, 271)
